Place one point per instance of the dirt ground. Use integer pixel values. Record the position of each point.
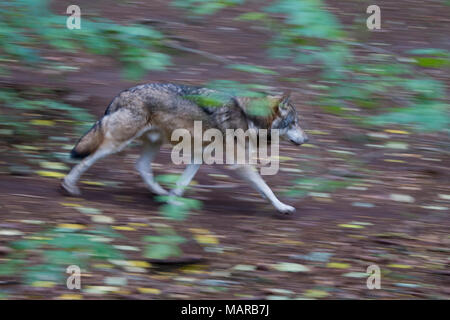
(393, 213)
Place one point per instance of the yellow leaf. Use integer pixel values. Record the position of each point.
(149, 290)
(43, 284)
(193, 269)
(68, 296)
(396, 131)
(309, 145)
(337, 265)
(70, 226)
(102, 266)
(353, 226)
(206, 239)
(124, 228)
(92, 183)
(140, 264)
(399, 266)
(312, 293)
(70, 204)
(50, 174)
(48, 123)
(38, 238)
(199, 230)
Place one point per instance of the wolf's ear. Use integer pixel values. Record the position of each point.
(283, 102)
(285, 97)
(238, 102)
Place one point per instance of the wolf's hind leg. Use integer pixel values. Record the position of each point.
(250, 174)
(144, 166)
(185, 179)
(119, 129)
(69, 183)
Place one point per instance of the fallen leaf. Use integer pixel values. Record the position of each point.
(71, 226)
(206, 239)
(290, 267)
(38, 122)
(149, 290)
(124, 228)
(139, 264)
(68, 296)
(43, 284)
(353, 226)
(312, 293)
(50, 174)
(400, 266)
(396, 131)
(338, 265)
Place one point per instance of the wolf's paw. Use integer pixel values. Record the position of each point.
(172, 200)
(286, 209)
(69, 189)
(157, 189)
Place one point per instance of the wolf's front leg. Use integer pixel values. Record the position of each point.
(250, 174)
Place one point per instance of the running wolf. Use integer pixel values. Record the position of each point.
(151, 112)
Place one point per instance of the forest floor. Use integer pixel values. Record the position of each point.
(391, 209)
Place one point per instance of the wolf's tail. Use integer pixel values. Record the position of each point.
(89, 142)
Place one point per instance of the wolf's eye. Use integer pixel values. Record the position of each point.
(289, 120)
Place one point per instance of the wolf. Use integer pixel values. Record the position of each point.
(151, 112)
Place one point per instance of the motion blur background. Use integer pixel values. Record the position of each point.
(371, 187)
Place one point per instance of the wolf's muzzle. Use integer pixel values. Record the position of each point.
(299, 142)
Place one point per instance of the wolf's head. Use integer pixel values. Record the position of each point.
(287, 121)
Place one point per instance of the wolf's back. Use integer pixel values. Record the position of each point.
(167, 96)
